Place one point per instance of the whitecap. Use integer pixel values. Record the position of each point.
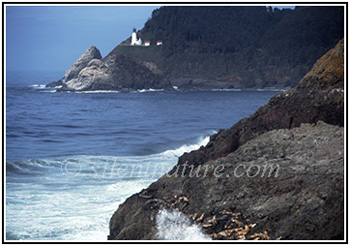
(94, 187)
(43, 88)
(150, 90)
(202, 141)
(226, 90)
(97, 91)
(270, 89)
(38, 86)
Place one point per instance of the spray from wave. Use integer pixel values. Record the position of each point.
(173, 225)
(203, 141)
(94, 187)
(43, 88)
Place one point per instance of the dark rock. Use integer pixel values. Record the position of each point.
(312, 100)
(134, 76)
(55, 83)
(257, 51)
(288, 182)
(302, 200)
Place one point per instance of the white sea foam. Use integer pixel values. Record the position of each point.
(173, 225)
(226, 90)
(203, 141)
(150, 90)
(43, 88)
(37, 86)
(270, 89)
(80, 193)
(97, 91)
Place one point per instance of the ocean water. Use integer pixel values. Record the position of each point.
(72, 158)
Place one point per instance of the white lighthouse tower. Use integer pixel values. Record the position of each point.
(134, 39)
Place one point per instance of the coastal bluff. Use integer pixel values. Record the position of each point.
(212, 47)
(278, 174)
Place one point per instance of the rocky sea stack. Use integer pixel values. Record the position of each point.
(278, 174)
(114, 72)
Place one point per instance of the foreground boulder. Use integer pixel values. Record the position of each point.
(289, 183)
(285, 184)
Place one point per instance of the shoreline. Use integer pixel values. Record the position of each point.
(59, 88)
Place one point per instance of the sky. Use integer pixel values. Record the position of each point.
(40, 38)
(52, 38)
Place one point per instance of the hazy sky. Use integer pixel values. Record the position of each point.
(53, 37)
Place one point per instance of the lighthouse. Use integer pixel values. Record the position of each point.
(134, 39)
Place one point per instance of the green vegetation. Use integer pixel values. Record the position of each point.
(246, 46)
(151, 53)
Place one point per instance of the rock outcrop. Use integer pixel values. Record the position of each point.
(285, 184)
(318, 96)
(91, 53)
(254, 181)
(114, 72)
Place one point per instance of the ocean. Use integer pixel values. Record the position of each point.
(72, 158)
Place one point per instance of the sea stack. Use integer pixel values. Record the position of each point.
(91, 53)
(114, 72)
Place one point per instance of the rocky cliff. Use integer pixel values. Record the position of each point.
(214, 47)
(237, 47)
(318, 96)
(115, 72)
(253, 181)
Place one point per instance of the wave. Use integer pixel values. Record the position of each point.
(43, 88)
(173, 225)
(116, 91)
(94, 187)
(37, 86)
(149, 90)
(30, 165)
(98, 91)
(226, 90)
(94, 166)
(267, 89)
(271, 89)
(202, 141)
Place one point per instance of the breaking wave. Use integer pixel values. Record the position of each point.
(270, 89)
(203, 141)
(97, 91)
(174, 225)
(226, 90)
(94, 187)
(43, 88)
(149, 90)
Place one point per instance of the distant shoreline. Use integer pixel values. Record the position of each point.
(58, 89)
